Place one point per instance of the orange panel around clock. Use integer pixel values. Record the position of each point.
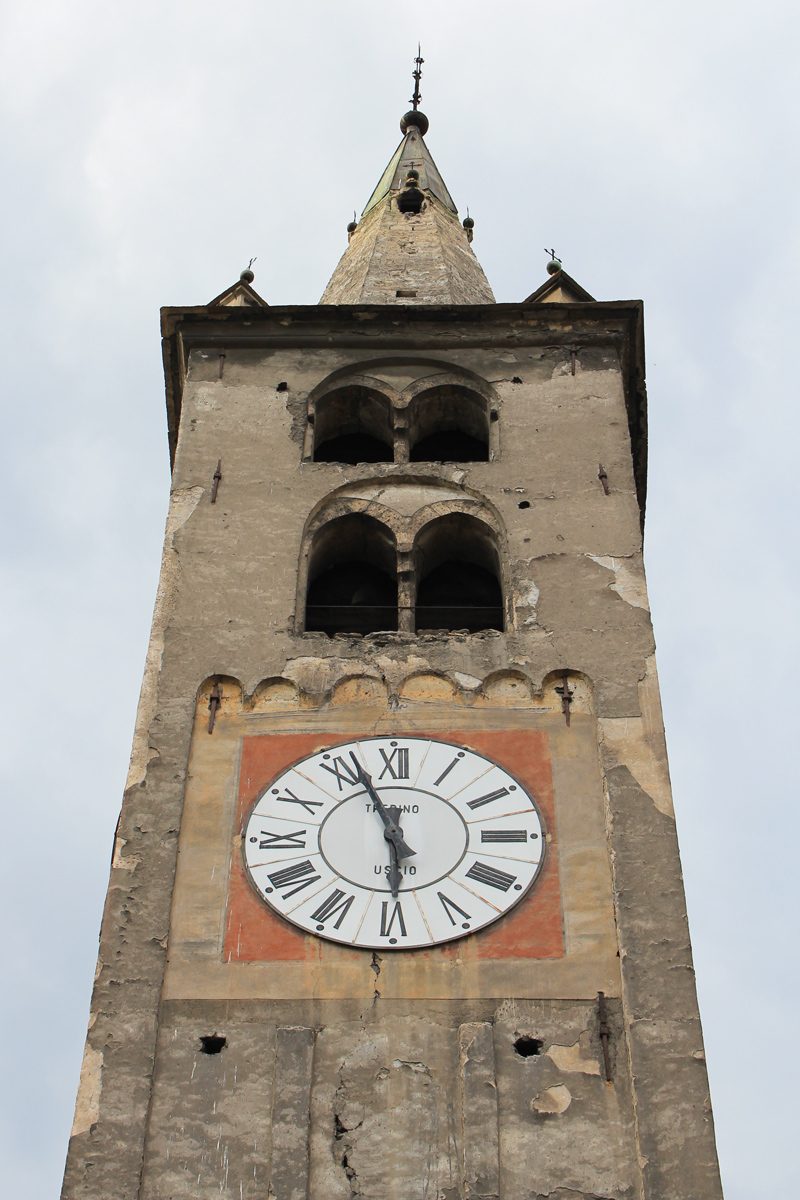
(534, 929)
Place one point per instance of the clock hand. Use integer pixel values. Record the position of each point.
(394, 870)
(392, 831)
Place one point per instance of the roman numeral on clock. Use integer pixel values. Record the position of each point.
(338, 902)
(448, 769)
(344, 775)
(488, 798)
(301, 874)
(282, 841)
(308, 805)
(451, 907)
(483, 873)
(388, 921)
(504, 835)
(396, 763)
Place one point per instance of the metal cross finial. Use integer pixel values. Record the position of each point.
(417, 75)
(552, 254)
(250, 264)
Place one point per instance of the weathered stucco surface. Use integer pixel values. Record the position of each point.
(341, 1075)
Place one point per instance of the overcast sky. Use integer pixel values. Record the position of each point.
(149, 151)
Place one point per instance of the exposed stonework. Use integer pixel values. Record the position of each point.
(408, 258)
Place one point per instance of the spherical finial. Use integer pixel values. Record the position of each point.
(352, 226)
(414, 119)
(247, 276)
(468, 223)
(554, 266)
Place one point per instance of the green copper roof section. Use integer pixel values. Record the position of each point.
(412, 152)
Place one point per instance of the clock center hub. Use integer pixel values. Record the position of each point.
(353, 845)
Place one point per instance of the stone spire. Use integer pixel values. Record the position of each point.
(409, 247)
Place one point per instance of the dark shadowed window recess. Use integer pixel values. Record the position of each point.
(352, 584)
(353, 425)
(448, 424)
(458, 574)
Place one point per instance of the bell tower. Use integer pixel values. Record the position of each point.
(395, 908)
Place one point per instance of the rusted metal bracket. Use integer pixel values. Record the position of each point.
(215, 478)
(222, 357)
(601, 475)
(605, 1035)
(566, 693)
(214, 702)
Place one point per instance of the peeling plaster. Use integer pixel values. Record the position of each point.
(469, 682)
(553, 1101)
(638, 743)
(629, 582)
(531, 596)
(87, 1106)
(574, 1058)
(625, 744)
(119, 860)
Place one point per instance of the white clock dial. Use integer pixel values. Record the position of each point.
(393, 842)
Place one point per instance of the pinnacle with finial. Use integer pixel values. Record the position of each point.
(417, 76)
(414, 118)
(554, 266)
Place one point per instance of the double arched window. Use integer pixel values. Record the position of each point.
(445, 576)
(429, 422)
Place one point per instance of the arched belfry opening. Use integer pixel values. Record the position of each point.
(457, 567)
(353, 425)
(352, 577)
(449, 423)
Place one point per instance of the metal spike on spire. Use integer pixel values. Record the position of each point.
(417, 75)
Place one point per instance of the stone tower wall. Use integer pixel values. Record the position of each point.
(345, 1074)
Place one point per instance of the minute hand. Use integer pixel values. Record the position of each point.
(392, 832)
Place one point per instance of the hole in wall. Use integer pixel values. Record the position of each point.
(212, 1043)
(494, 415)
(516, 379)
(282, 386)
(524, 504)
(526, 1046)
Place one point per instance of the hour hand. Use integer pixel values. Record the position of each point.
(394, 870)
(392, 832)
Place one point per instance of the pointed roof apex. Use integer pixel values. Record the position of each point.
(560, 287)
(412, 155)
(240, 294)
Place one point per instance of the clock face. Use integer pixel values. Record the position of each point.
(393, 843)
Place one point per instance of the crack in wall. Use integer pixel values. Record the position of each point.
(340, 1132)
(375, 965)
